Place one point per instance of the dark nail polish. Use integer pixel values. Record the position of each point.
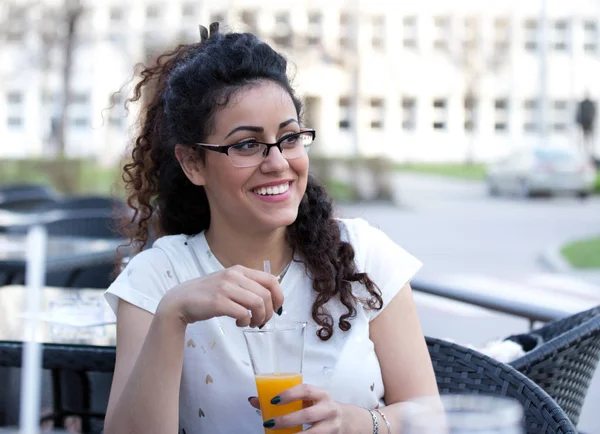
(251, 398)
(269, 424)
(280, 311)
(276, 400)
(260, 327)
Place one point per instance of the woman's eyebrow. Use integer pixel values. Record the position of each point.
(246, 128)
(258, 129)
(286, 123)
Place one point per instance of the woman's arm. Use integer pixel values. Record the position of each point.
(147, 373)
(144, 397)
(403, 356)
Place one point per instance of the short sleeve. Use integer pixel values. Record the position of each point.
(144, 281)
(387, 264)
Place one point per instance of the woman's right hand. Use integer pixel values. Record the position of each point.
(250, 296)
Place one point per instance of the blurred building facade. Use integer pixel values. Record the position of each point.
(413, 81)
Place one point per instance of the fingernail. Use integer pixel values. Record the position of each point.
(260, 327)
(250, 398)
(280, 311)
(269, 424)
(276, 400)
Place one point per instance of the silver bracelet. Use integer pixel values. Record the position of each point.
(387, 422)
(375, 421)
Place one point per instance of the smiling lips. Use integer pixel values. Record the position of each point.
(272, 190)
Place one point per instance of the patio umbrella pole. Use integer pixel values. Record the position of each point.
(29, 418)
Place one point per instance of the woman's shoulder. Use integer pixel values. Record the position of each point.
(352, 227)
(168, 249)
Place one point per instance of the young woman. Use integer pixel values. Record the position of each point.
(221, 164)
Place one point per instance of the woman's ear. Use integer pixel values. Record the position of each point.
(191, 164)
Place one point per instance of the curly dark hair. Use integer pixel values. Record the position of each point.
(180, 94)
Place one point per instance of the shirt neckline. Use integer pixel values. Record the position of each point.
(211, 264)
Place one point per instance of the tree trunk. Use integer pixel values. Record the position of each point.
(470, 108)
(73, 13)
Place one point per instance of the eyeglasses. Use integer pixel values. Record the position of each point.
(251, 153)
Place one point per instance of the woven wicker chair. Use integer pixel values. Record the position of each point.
(564, 363)
(462, 370)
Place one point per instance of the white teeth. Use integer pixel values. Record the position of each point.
(273, 190)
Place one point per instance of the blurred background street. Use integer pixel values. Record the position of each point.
(465, 237)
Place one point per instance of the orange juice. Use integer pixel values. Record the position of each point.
(268, 387)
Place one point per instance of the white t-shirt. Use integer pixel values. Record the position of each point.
(217, 377)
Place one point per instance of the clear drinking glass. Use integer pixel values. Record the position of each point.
(277, 352)
(463, 414)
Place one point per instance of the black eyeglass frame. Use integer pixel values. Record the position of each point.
(224, 149)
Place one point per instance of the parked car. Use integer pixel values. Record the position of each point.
(542, 170)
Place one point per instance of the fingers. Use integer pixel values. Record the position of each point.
(253, 400)
(324, 410)
(265, 298)
(267, 281)
(236, 311)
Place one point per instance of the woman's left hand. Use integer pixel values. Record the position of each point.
(319, 410)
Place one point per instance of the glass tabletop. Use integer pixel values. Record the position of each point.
(60, 250)
(69, 316)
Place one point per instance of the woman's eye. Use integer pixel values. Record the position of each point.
(290, 139)
(246, 146)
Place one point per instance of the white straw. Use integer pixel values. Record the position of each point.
(31, 371)
(267, 266)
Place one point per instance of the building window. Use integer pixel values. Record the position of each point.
(152, 12)
(283, 30)
(501, 35)
(409, 113)
(530, 107)
(560, 35)
(377, 113)
(218, 17)
(80, 122)
(344, 104)
(409, 32)
(152, 45)
(115, 122)
(344, 30)
(187, 36)
(470, 113)
(530, 35)
(116, 15)
(14, 98)
(14, 122)
(79, 98)
(315, 22)
(15, 35)
(441, 33)
(440, 113)
(378, 32)
(500, 115)
(560, 115)
(590, 36)
(189, 10)
(249, 19)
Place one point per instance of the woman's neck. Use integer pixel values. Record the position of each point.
(250, 250)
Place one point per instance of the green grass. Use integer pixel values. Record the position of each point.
(340, 191)
(68, 176)
(475, 172)
(583, 254)
(597, 186)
